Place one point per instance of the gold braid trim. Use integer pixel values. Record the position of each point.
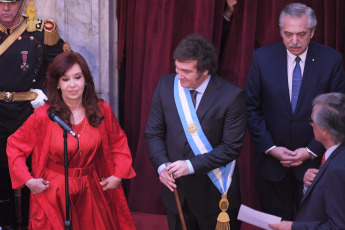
(13, 37)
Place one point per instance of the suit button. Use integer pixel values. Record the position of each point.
(31, 38)
(39, 46)
(39, 58)
(36, 70)
(34, 80)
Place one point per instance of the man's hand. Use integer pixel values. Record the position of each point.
(39, 101)
(286, 157)
(167, 179)
(111, 182)
(300, 155)
(309, 176)
(178, 169)
(284, 225)
(37, 186)
(229, 8)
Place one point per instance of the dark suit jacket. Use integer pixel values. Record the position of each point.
(222, 115)
(323, 205)
(270, 118)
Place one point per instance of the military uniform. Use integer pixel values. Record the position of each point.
(22, 67)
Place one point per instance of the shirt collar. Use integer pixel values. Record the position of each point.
(330, 150)
(201, 89)
(292, 57)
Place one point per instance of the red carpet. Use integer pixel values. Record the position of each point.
(146, 221)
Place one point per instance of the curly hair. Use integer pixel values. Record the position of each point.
(61, 64)
(197, 47)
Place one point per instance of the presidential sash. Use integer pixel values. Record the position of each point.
(220, 177)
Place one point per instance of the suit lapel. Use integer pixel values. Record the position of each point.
(307, 80)
(282, 76)
(322, 170)
(210, 95)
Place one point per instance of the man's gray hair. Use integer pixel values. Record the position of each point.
(330, 114)
(298, 10)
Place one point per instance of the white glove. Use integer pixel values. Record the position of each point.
(39, 101)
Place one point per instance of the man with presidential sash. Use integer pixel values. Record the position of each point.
(27, 46)
(194, 135)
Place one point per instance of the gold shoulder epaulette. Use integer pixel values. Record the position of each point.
(51, 33)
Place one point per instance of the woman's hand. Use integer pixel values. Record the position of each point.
(37, 186)
(110, 183)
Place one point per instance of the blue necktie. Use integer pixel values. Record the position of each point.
(296, 84)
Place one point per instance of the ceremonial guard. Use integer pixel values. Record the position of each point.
(27, 46)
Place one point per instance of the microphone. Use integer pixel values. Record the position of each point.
(52, 116)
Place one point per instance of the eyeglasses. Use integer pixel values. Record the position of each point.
(311, 121)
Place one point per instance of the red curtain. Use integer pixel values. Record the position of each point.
(149, 31)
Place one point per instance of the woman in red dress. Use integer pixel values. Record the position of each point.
(96, 169)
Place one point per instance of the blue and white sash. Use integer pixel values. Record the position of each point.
(221, 177)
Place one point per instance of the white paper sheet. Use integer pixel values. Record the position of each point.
(256, 218)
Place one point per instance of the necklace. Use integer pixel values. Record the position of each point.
(79, 134)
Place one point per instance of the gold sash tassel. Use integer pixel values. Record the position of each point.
(223, 220)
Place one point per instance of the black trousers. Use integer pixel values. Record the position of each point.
(7, 200)
(200, 223)
(280, 198)
(8, 215)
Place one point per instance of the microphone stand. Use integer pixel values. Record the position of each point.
(68, 222)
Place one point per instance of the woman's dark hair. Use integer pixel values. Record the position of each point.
(61, 64)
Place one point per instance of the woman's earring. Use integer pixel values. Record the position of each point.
(58, 87)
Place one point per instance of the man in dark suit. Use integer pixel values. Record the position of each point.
(323, 205)
(283, 80)
(220, 116)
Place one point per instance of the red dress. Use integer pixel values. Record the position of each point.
(103, 152)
